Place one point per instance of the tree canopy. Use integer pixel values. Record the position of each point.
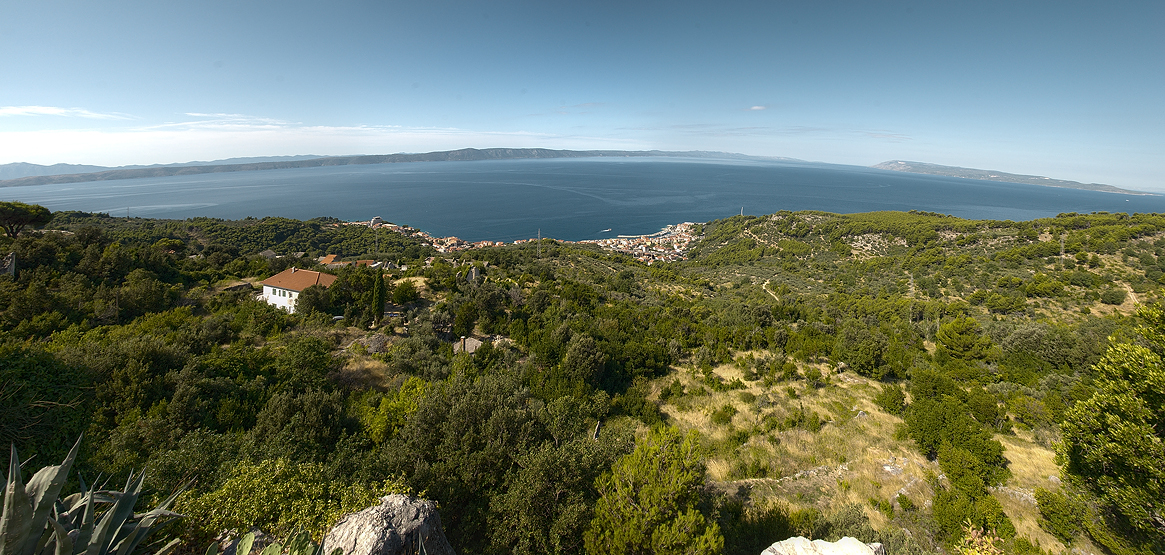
(1114, 442)
(648, 501)
(15, 216)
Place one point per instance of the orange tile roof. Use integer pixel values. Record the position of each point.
(328, 259)
(294, 279)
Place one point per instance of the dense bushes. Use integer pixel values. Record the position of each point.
(121, 332)
(649, 501)
(1113, 441)
(280, 497)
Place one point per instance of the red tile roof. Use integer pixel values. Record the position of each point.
(294, 279)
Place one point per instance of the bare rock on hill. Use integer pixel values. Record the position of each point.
(376, 343)
(844, 546)
(398, 525)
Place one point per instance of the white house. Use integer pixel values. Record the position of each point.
(283, 289)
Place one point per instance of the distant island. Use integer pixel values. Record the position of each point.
(992, 175)
(24, 174)
(23, 169)
(42, 175)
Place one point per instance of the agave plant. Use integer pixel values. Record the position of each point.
(35, 521)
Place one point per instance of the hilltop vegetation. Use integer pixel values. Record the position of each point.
(898, 377)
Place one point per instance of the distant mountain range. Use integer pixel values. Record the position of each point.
(992, 175)
(66, 173)
(19, 174)
(23, 169)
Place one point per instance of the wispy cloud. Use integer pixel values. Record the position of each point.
(57, 111)
(758, 108)
(226, 121)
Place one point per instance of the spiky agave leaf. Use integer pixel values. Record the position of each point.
(43, 490)
(64, 545)
(16, 519)
(106, 532)
(143, 523)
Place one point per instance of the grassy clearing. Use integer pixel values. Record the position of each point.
(1032, 466)
(855, 457)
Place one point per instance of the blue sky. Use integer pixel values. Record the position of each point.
(1065, 89)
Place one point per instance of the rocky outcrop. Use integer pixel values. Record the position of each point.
(844, 546)
(376, 343)
(398, 525)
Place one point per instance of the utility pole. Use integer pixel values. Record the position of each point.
(539, 242)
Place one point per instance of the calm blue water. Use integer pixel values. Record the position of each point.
(572, 199)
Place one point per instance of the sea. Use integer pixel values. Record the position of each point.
(570, 199)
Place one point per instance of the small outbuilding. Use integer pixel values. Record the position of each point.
(283, 289)
(467, 345)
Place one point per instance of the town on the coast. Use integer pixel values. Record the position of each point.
(666, 245)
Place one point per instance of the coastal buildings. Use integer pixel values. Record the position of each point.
(282, 289)
(667, 245)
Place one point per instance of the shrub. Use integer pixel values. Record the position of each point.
(281, 497)
(883, 506)
(1058, 515)
(891, 399)
(382, 421)
(1113, 296)
(673, 391)
(648, 502)
(723, 415)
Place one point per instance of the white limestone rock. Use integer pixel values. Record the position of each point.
(397, 526)
(803, 546)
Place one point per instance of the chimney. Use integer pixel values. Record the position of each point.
(293, 269)
(463, 343)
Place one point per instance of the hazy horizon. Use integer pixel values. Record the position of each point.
(1069, 91)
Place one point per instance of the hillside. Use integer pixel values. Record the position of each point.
(992, 175)
(890, 376)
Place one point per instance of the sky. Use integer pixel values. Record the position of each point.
(1070, 90)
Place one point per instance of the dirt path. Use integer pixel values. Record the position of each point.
(1132, 295)
(757, 239)
(765, 286)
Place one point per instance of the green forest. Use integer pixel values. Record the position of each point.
(932, 383)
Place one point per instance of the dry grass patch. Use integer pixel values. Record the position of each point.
(853, 458)
(1032, 466)
(364, 371)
